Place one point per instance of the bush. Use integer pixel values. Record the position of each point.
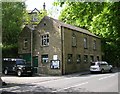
(10, 51)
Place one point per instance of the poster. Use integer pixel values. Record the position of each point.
(55, 64)
(55, 57)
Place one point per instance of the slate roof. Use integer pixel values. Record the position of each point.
(72, 27)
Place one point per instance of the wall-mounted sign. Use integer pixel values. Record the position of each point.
(55, 57)
(55, 64)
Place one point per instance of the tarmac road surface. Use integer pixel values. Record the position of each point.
(107, 82)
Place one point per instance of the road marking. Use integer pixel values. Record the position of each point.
(70, 87)
(106, 77)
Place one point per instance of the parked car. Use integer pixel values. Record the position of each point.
(100, 66)
(18, 66)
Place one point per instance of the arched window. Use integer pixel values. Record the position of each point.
(74, 41)
(85, 43)
(45, 40)
(94, 44)
(25, 44)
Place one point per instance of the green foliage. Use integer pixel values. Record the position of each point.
(28, 17)
(12, 14)
(12, 21)
(10, 51)
(80, 14)
(101, 19)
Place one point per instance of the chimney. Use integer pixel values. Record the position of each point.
(44, 6)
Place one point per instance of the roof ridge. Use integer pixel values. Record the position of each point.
(85, 31)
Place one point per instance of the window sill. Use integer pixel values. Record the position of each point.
(74, 46)
(45, 45)
(94, 49)
(25, 48)
(44, 63)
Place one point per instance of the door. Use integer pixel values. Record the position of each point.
(35, 63)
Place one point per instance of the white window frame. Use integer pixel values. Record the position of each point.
(45, 40)
(44, 58)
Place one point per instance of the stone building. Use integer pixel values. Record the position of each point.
(58, 48)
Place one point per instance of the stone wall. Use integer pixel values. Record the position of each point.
(53, 30)
(79, 49)
(25, 34)
(60, 44)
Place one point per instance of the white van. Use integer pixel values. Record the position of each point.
(100, 66)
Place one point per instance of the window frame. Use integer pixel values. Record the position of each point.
(85, 58)
(74, 40)
(94, 45)
(34, 17)
(85, 43)
(98, 58)
(45, 40)
(25, 46)
(45, 58)
(69, 58)
(78, 58)
(91, 58)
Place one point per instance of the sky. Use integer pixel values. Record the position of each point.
(54, 11)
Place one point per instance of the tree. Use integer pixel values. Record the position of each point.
(12, 17)
(39, 15)
(101, 19)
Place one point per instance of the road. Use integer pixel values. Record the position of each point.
(107, 82)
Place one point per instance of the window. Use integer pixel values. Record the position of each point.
(34, 17)
(93, 63)
(91, 58)
(25, 43)
(104, 63)
(45, 40)
(85, 58)
(44, 58)
(69, 60)
(97, 58)
(44, 24)
(78, 58)
(94, 44)
(85, 43)
(20, 62)
(74, 40)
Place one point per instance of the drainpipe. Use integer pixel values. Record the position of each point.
(63, 56)
(31, 45)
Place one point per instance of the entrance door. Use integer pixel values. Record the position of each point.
(35, 63)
